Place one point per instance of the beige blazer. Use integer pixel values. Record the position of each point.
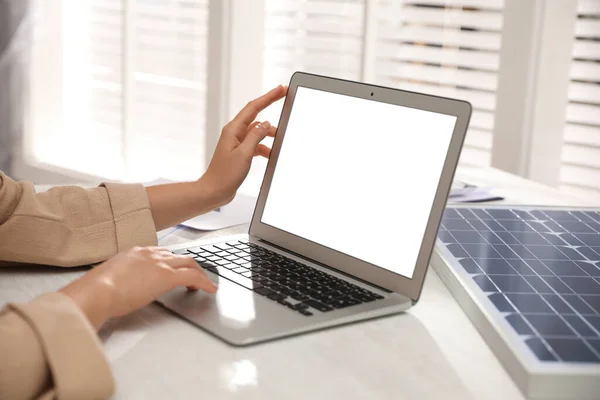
(48, 349)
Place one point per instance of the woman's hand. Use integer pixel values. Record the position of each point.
(133, 279)
(238, 144)
(240, 140)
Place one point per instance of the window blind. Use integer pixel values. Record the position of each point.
(580, 168)
(133, 88)
(316, 36)
(447, 48)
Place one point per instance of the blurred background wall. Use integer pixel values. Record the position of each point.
(14, 37)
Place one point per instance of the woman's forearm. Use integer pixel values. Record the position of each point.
(171, 204)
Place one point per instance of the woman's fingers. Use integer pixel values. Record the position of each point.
(262, 151)
(249, 113)
(194, 279)
(254, 137)
(252, 126)
(188, 273)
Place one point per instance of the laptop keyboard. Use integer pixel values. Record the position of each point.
(288, 282)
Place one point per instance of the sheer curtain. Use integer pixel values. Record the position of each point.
(14, 44)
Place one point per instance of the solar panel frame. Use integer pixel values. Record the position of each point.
(537, 379)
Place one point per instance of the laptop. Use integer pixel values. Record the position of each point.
(346, 219)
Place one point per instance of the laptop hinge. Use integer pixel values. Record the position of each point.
(325, 266)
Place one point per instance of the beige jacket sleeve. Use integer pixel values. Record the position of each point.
(71, 226)
(48, 349)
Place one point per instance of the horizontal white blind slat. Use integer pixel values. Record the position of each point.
(436, 35)
(588, 7)
(487, 61)
(481, 4)
(485, 20)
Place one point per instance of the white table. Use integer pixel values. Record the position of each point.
(431, 352)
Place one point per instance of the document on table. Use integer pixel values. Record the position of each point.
(465, 193)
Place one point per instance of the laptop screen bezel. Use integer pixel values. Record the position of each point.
(409, 287)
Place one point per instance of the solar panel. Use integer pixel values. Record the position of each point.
(529, 279)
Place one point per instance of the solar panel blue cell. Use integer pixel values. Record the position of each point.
(554, 227)
(595, 226)
(594, 321)
(538, 284)
(457, 225)
(524, 215)
(574, 350)
(570, 239)
(539, 215)
(582, 216)
(482, 214)
(582, 285)
(540, 349)
(477, 251)
(559, 305)
(491, 237)
(496, 266)
(579, 305)
(531, 238)
(478, 225)
(557, 285)
(595, 344)
(457, 250)
(529, 303)
(594, 215)
(494, 226)
(519, 324)
(593, 301)
(505, 251)
(539, 268)
(469, 237)
(560, 215)
(588, 253)
(450, 213)
(565, 268)
(470, 266)
(507, 238)
(571, 254)
(516, 226)
(554, 239)
(547, 252)
(591, 269)
(485, 284)
(446, 237)
(522, 251)
(502, 214)
(580, 326)
(577, 227)
(500, 302)
(590, 239)
(548, 325)
(511, 284)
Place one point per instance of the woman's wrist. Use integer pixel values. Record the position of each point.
(212, 193)
(93, 297)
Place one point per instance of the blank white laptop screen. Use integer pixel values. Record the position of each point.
(359, 176)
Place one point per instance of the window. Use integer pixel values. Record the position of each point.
(139, 89)
(124, 82)
(445, 48)
(580, 169)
